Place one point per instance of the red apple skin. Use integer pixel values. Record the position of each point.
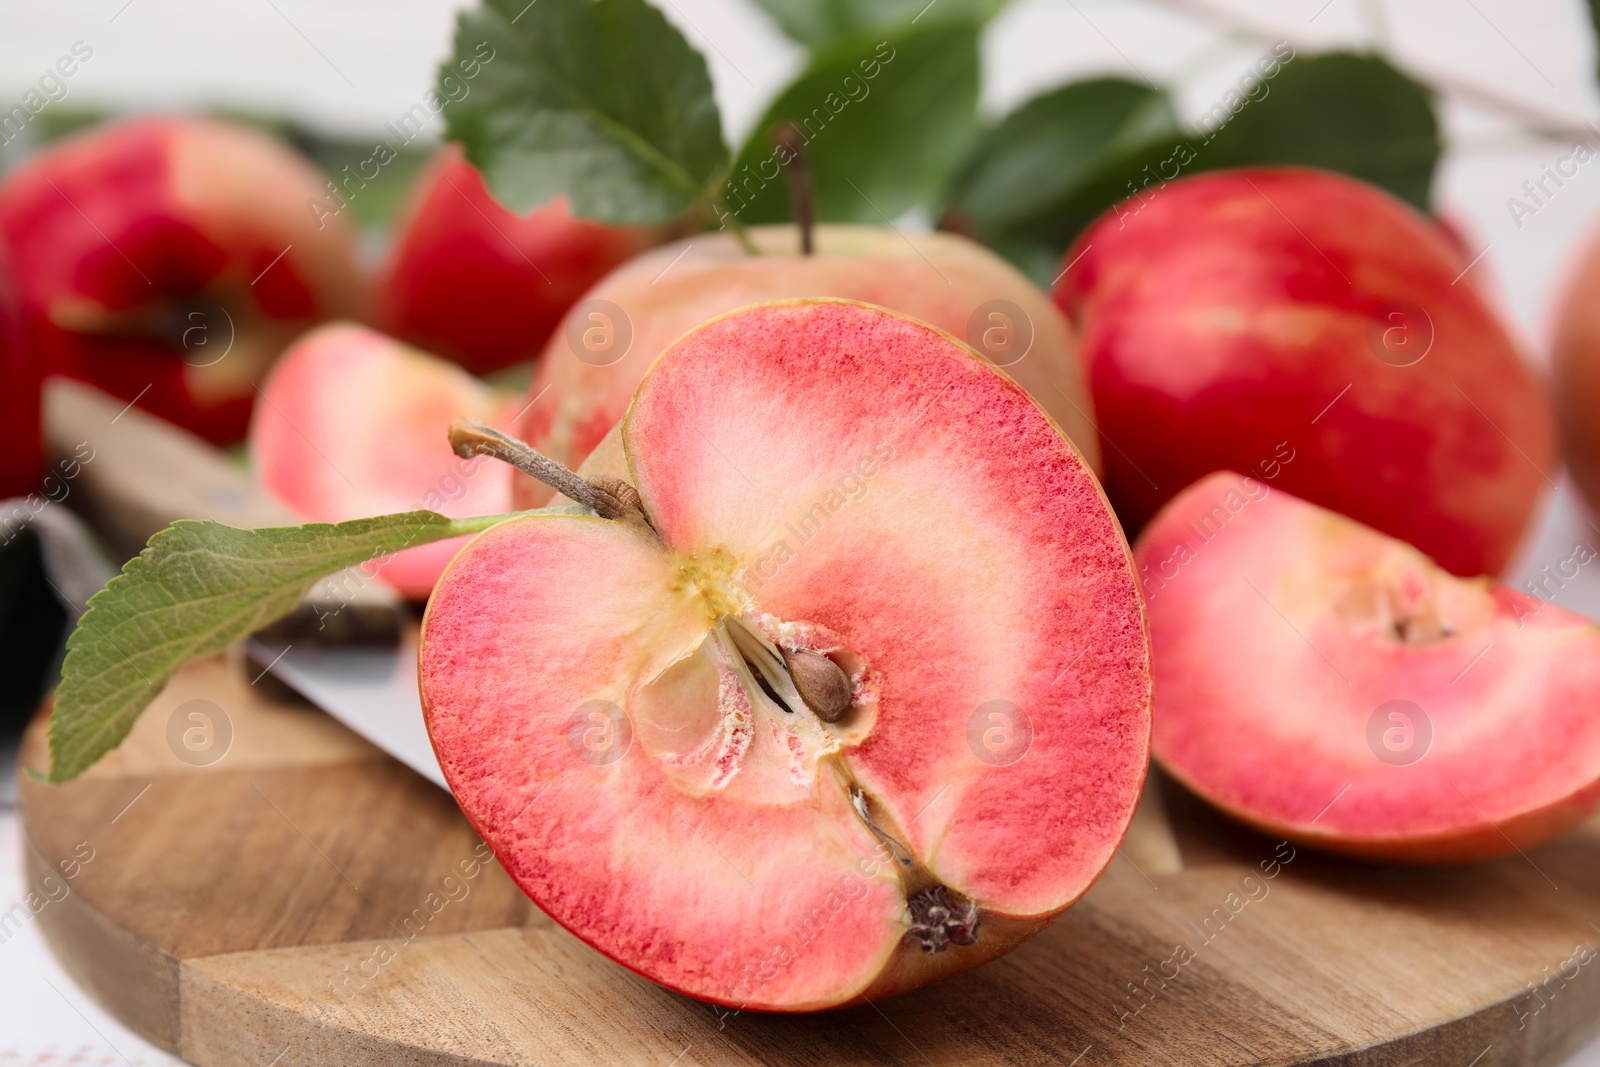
(21, 439)
(942, 279)
(121, 235)
(475, 283)
(1280, 631)
(1236, 319)
(846, 481)
(1575, 365)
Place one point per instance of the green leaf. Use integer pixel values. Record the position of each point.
(1594, 20)
(821, 23)
(602, 101)
(1133, 170)
(197, 587)
(1350, 113)
(1042, 154)
(885, 121)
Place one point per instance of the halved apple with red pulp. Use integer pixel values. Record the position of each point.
(852, 694)
(1334, 686)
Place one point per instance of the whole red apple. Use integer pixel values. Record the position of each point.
(1335, 687)
(608, 341)
(1575, 364)
(170, 260)
(21, 438)
(1315, 332)
(475, 283)
(845, 691)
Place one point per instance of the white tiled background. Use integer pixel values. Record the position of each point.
(347, 66)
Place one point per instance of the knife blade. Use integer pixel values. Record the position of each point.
(370, 688)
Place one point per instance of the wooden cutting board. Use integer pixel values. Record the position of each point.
(305, 900)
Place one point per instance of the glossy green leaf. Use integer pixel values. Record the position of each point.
(1048, 150)
(822, 23)
(1340, 111)
(602, 101)
(1594, 21)
(1049, 169)
(885, 120)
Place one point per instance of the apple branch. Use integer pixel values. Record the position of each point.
(610, 498)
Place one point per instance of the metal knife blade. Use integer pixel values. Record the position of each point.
(370, 688)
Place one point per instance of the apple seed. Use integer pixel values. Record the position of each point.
(822, 685)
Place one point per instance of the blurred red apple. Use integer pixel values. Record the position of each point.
(171, 260)
(1575, 362)
(592, 366)
(1333, 686)
(482, 286)
(21, 440)
(1308, 329)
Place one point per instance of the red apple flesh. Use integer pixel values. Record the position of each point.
(475, 283)
(172, 259)
(21, 436)
(1240, 317)
(1333, 686)
(820, 481)
(594, 362)
(347, 425)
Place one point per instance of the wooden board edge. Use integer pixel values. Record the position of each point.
(1554, 1020)
(130, 978)
(224, 1025)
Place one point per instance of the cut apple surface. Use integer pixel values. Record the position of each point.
(348, 425)
(608, 341)
(1336, 687)
(643, 717)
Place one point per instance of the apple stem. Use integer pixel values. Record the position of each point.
(802, 199)
(610, 498)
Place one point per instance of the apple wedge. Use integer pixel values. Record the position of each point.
(850, 693)
(1334, 686)
(347, 425)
